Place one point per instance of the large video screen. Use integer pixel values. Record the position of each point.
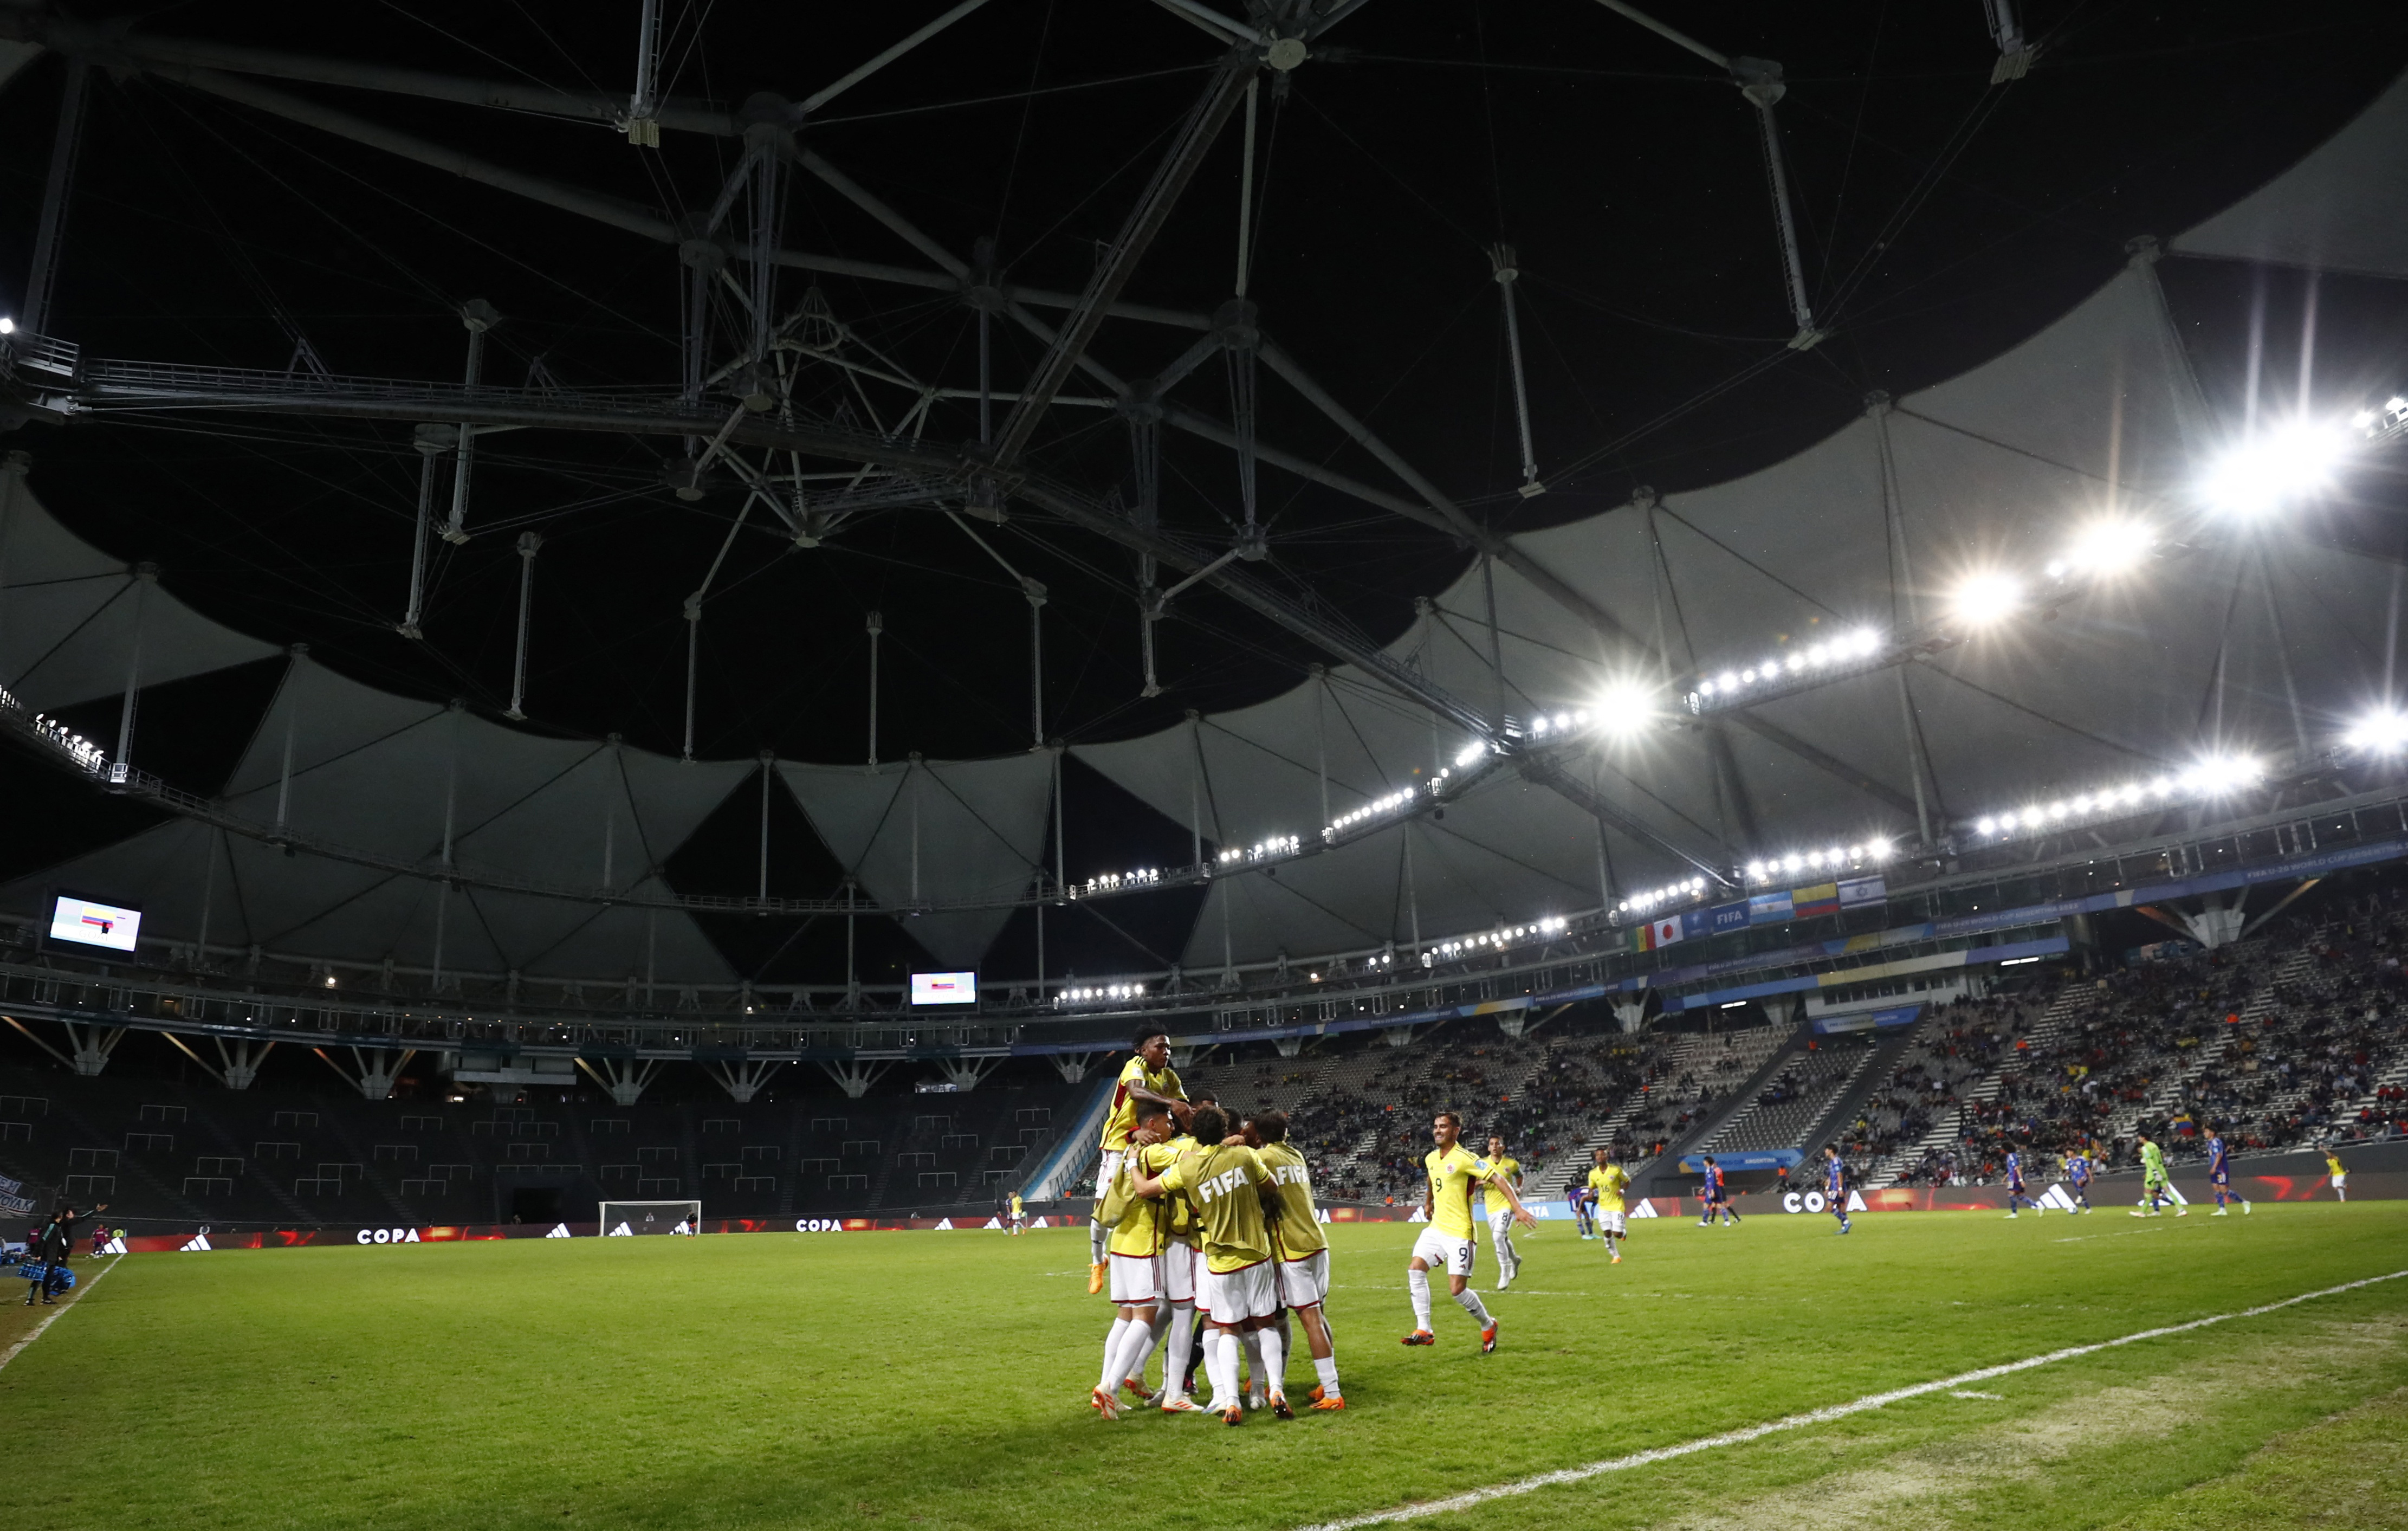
(87, 924)
(944, 988)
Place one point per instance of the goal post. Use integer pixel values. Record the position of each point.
(622, 1219)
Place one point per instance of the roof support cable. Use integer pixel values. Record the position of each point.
(530, 543)
(49, 234)
(432, 441)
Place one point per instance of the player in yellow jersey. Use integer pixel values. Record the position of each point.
(1175, 1322)
(1148, 1076)
(1500, 1217)
(1138, 1227)
(2338, 1174)
(1237, 1291)
(1302, 1250)
(1607, 1181)
(1453, 1172)
(1019, 1214)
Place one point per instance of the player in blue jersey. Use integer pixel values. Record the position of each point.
(2220, 1174)
(1718, 1195)
(2015, 1190)
(2077, 1169)
(1835, 1183)
(1582, 1204)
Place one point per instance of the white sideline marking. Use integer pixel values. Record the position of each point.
(1794, 1421)
(48, 1319)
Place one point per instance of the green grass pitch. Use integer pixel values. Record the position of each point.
(939, 1379)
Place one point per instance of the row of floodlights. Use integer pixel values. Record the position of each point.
(1113, 882)
(2213, 777)
(1278, 845)
(1818, 657)
(1381, 805)
(1673, 892)
(1829, 860)
(1100, 993)
(86, 753)
(1498, 940)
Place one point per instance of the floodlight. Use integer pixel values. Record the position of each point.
(7, 326)
(2383, 732)
(1625, 707)
(2109, 546)
(2286, 462)
(1982, 599)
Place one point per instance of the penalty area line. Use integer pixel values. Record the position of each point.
(1819, 1416)
(48, 1319)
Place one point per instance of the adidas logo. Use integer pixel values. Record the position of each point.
(559, 1230)
(2058, 1197)
(945, 1225)
(1645, 1208)
(115, 1246)
(1419, 1216)
(200, 1242)
(683, 1228)
(623, 1231)
(1038, 1223)
(995, 1223)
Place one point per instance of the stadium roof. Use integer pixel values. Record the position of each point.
(576, 855)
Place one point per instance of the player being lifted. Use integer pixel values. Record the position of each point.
(2154, 1180)
(1453, 1171)
(2077, 1170)
(1237, 1290)
(1500, 1217)
(2220, 1174)
(2015, 1189)
(1302, 1251)
(1145, 1076)
(1835, 1183)
(1606, 1185)
(1715, 1192)
(1133, 1247)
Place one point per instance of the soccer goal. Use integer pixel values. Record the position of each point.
(621, 1219)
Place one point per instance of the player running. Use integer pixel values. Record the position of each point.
(1835, 1183)
(1134, 1248)
(1148, 1076)
(1716, 1194)
(1500, 1217)
(1606, 1185)
(2015, 1190)
(1303, 1253)
(2077, 1171)
(2154, 1180)
(1583, 1202)
(1238, 1290)
(2339, 1176)
(1453, 1171)
(1019, 1214)
(2219, 1175)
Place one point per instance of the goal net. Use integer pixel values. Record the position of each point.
(620, 1219)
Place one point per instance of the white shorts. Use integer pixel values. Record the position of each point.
(1178, 1272)
(1135, 1278)
(1610, 1222)
(1249, 1293)
(1444, 1251)
(1303, 1283)
(2340, 1181)
(1106, 1168)
(1500, 1223)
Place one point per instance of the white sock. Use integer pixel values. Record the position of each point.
(1273, 1358)
(1136, 1343)
(1417, 1283)
(1095, 1236)
(1470, 1301)
(1112, 1380)
(1287, 1351)
(1252, 1340)
(1327, 1368)
(1220, 1364)
(1506, 1253)
(1182, 1339)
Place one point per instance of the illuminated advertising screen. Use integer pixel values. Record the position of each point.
(944, 988)
(90, 923)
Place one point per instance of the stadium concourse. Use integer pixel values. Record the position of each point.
(1106, 672)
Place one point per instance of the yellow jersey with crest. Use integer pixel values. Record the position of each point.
(1180, 1223)
(1121, 1119)
(1298, 1233)
(1511, 1168)
(1225, 1183)
(1139, 1224)
(1452, 1177)
(1609, 1183)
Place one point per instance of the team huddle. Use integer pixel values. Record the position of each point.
(1208, 1239)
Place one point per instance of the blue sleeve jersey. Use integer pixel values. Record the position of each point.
(2078, 1169)
(1835, 1176)
(2015, 1171)
(2215, 1161)
(1713, 1184)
